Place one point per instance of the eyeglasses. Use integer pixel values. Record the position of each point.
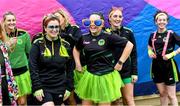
(53, 27)
(87, 22)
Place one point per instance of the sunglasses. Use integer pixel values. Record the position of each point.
(53, 27)
(87, 22)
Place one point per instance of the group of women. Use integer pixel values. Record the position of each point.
(99, 67)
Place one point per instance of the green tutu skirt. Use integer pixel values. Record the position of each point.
(100, 89)
(78, 75)
(24, 84)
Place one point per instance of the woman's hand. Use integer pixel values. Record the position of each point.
(178, 51)
(170, 55)
(134, 78)
(79, 68)
(151, 54)
(11, 41)
(39, 94)
(66, 95)
(118, 67)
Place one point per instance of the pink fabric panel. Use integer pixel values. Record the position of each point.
(30, 12)
(170, 6)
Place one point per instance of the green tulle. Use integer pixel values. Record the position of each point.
(24, 83)
(78, 75)
(100, 89)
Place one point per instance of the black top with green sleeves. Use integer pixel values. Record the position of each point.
(98, 51)
(50, 72)
(160, 41)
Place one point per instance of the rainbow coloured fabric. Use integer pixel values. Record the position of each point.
(12, 86)
(138, 15)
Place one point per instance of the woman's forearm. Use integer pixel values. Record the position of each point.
(76, 55)
(126, 52)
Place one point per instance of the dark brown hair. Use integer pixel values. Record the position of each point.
(47, 19)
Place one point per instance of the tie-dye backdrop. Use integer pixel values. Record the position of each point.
(138, 15)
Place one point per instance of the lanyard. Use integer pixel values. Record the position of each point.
(165, 44)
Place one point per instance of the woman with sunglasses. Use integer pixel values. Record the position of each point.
(101, 82)
(164, 68)
(50, 59)
(9, 91)
(19, 51)
(129, 69)
(71, 33)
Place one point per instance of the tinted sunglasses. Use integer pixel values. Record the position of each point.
(53, 27)
(87, 22)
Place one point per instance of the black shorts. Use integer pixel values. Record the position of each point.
(53, 97)
(165, 71)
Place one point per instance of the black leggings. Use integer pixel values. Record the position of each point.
(5, 94)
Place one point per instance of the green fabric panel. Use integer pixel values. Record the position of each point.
(18, 56)
(174, 70)
(127, 80)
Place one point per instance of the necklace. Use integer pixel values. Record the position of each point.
(12, 40)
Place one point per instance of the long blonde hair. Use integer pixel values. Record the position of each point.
(65, 15)
(2, 33)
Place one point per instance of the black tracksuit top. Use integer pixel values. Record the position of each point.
(130, 65)
(50, 73)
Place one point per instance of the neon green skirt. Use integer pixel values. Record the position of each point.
(78, 75)
(100, 89)
(24, 84)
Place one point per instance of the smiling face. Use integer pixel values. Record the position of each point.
(93, 28)
(52, 29)
(161, 22)
(10, 22)
(115, 18)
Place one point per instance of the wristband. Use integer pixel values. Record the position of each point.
(120, 62)
(150, 52)
(170, 55)
(38, 92)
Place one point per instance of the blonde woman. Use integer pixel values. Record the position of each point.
(71, 33)
(19, 52)
(129, 70)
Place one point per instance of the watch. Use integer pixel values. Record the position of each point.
(120, 62)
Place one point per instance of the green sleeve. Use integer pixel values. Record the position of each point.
(28, 43)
